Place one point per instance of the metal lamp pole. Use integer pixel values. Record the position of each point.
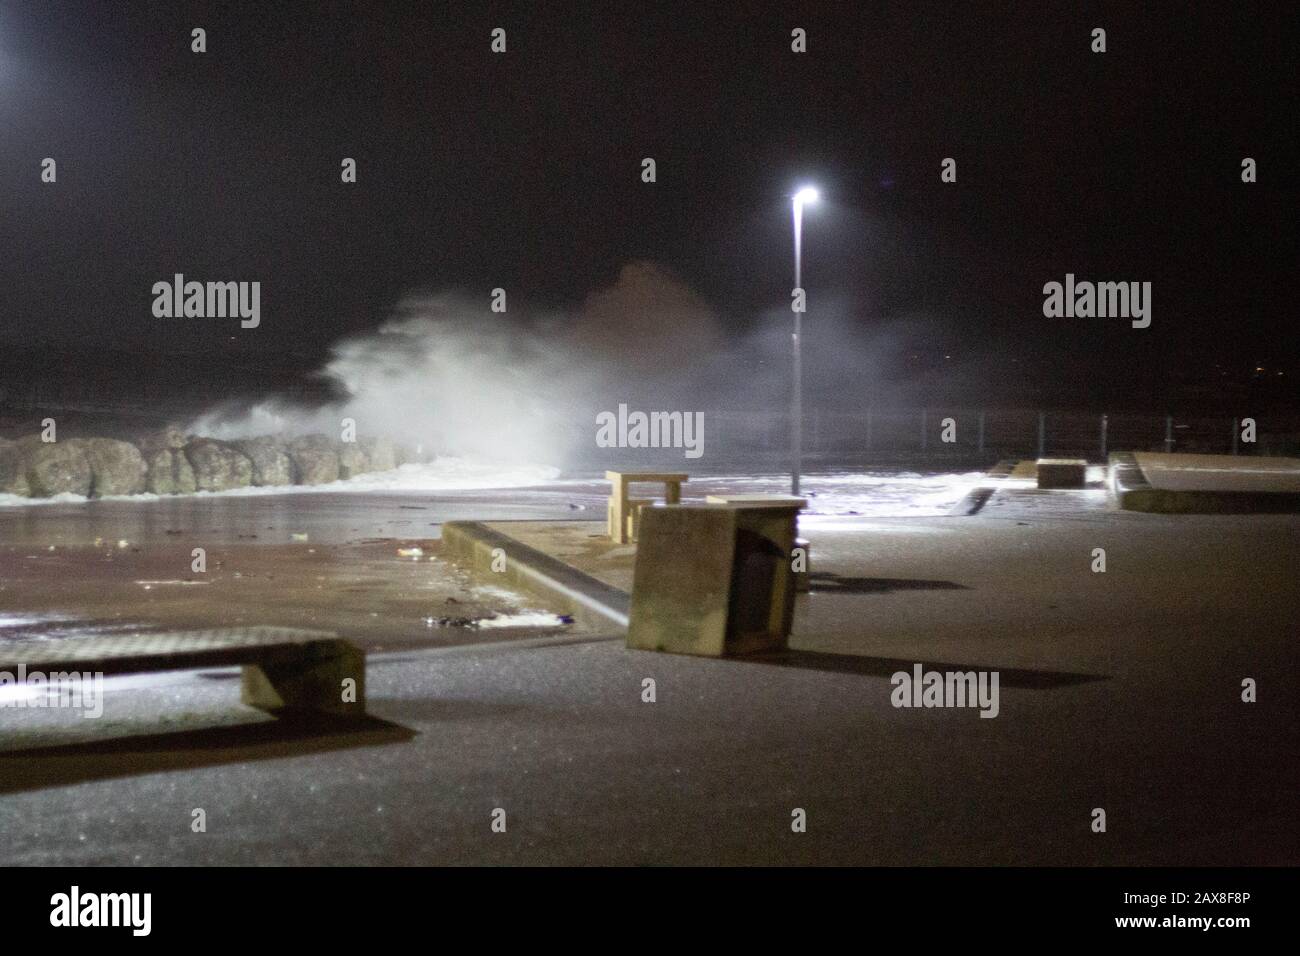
(801, 198)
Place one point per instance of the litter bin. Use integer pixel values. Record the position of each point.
(714, 579)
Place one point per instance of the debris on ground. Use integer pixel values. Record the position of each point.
(450, 622)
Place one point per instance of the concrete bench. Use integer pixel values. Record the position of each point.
(624, 513)
(285, 670)
(1062, 473)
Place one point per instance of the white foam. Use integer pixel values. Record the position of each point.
(523, 619)
(874, 494)
(13, 501)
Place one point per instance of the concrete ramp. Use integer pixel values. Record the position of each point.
(1204, 484)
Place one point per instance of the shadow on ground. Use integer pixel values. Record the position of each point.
(824, 583)
(35, 768)
(888, 666)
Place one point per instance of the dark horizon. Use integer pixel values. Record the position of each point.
(522, 171)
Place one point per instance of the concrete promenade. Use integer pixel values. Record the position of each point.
(1118, 690)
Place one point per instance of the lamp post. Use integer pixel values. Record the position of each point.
(803, 197)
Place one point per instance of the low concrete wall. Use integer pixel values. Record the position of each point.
(975, 499)
(1133, 492)
(559, 587)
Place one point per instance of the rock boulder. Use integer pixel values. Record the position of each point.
(315, 462)
(116, 467)
(271, 464)
(56, 467)
(168, 436)
(381, 453)
(13, 476)
(169, 472)
(410, 454)
(353, 460)
(218, 465)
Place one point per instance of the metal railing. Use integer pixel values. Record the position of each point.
(995, 433)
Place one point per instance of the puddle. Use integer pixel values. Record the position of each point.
(57, 627)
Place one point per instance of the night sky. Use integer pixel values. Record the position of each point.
(522, 170)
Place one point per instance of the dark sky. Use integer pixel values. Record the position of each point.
(521, 170)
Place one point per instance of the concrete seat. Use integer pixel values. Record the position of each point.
(1062, 473)
(802, 580)
(620, 521)
(714, 579)
(285, 670)
(633, 519)
(759, 501)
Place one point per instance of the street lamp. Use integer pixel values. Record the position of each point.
(803, 197)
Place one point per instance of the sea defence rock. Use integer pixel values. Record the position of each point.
(218, 465)
(13, 476)
(315, 461)
(165, 461)
(353, 460)
(56, 467)
(168, 436)
(116, 467)
(381, 453)
(169, 473)
(409, 455)
(271, 463)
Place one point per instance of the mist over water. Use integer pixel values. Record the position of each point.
(447, 374)
(492, 400)
(442, 374)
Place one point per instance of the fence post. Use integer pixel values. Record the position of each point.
(923, 435)
(1169, 433)
(981, 434)
(1042, 432)
(1103, 436)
